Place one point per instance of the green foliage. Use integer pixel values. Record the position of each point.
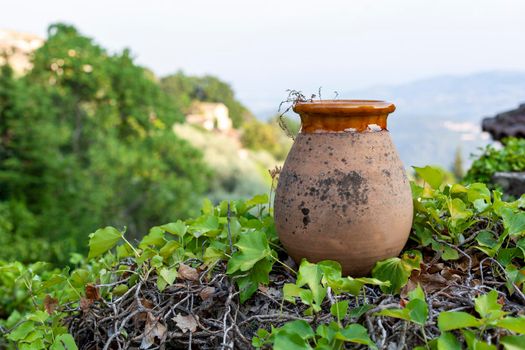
(318, 278)
(183, 89)
(234, 176)
(103, 240)
(457, 166)
(448, 216)
(300, 335)
(163, 252)
(86, 139)
(241, 237)
(491, 315)
(509, 158)
(396, 271)
(416, 310)
(257, 135)
(18, 226)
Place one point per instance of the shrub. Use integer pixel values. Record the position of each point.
(511, 157)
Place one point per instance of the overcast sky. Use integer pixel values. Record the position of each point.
(265, 47)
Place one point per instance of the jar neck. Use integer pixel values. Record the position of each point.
(314, 123)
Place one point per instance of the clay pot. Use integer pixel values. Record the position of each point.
(343, 193)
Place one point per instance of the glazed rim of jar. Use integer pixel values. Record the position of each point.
(345, 107)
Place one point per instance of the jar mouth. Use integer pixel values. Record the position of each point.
(344, 107)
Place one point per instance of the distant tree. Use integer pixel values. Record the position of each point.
(268, 136)
(184, 89)
(86, 141)
(457, 167)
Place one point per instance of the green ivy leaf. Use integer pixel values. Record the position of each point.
(168, 249)
(290, 341)
(207, 207)
(418, 311)
(22, 331)
(214, 253)
(431, 175)
(178, 228)
(402, 314)
(253, 246)
(359, 311)
(260, 273)
(449, 253)
(415, 311)
(486, 239)
(120, 289)
(64, 342)
(38, 316)
(168, 274)
(291, 291)
(327, 332)
(521, 245)
(487, 305)
(299, 327)
(447, 341)
(355, 333)
(506, 255)
(513, 342)
(458, 210)
(513, 324)
(477, 191)
(157, 261)
(103, 240)
(476, 344)
(396, 271)
(256, 200)
(450, 320)
(339, 309)
(154, 238)
(311, 274)
(204, 224)
(513, 222)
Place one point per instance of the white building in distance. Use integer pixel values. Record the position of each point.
(210, 115)
(17, 48)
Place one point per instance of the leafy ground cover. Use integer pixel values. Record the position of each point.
(510, 157)
(221, 280)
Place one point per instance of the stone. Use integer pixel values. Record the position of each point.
(512, 183)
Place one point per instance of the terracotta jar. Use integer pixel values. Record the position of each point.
(343, 193)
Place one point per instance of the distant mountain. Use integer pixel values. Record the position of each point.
(435, 116)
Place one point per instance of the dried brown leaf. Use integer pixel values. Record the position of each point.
(92, 292)
(85, 304)
(50, 304)
(153, 329)
(186, 323)
(188, 273)
(207, 293)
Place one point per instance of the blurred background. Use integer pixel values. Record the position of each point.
(129, 113)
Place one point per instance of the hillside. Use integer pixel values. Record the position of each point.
(238, 172)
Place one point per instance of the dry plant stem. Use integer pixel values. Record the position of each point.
(224, 323)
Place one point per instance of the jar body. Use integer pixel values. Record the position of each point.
(343, 196)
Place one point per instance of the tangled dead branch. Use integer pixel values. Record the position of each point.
(203, 311)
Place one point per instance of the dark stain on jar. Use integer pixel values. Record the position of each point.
(353, 188)
(305, 212)
(350, 187)
(306, 221)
